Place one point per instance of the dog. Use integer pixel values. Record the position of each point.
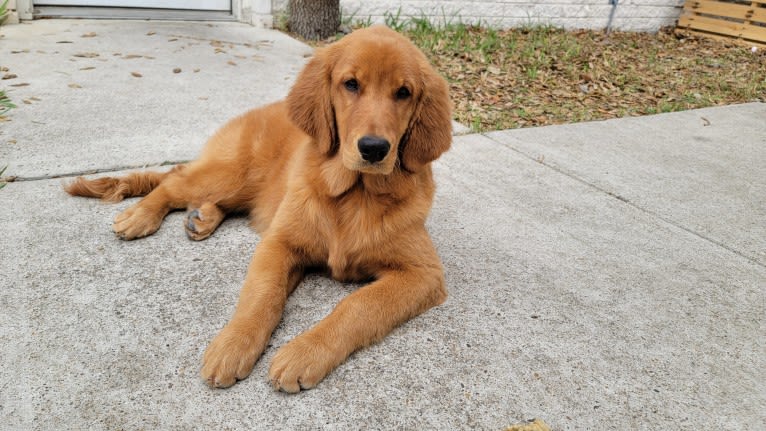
(336, 176)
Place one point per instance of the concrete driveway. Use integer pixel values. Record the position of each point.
(602, 276)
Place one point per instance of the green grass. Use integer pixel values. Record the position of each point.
(2, 183)
(3, 11)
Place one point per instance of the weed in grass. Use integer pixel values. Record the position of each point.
(395, 21)
(5, 103)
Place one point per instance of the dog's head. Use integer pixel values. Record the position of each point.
(374, 100)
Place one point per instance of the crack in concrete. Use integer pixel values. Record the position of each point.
(18, 179)
(625, 200)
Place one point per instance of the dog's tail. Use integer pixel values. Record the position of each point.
(115, 189)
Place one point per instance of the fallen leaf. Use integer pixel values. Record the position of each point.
(136, 74)
(177, 70)
(91, 34)
(87, 68)
(73, 85)
(23, 84)
(131, 56)
(10, 76)
(231, 63)
(535, 425)
(86, 54)
(151, 33)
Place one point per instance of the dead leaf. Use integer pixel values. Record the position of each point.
(535, 425)
(73, 85)
(23, 84)
(151, 33)
(131, 56)
(231, 63)
(86, 54)
(87, 68)
(177, 70)
(90, 34)
(10, 76)
(136, 74)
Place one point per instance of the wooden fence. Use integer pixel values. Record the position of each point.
(743, 21)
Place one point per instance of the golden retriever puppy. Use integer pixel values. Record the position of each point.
(337, 176)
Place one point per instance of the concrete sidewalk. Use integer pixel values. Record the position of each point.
(602, 276)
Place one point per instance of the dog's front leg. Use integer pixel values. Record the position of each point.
(360, 319)
(272, 276)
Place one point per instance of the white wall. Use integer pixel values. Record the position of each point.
(633, 15)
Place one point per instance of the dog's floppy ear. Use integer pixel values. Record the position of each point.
(430, 132)
(309, 101)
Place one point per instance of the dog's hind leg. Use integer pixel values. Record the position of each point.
(208, 189)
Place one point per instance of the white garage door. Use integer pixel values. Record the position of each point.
(217, 5)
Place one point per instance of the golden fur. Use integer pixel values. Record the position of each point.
(297, 167)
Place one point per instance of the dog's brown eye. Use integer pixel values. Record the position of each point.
(403, 93)
(352, 85)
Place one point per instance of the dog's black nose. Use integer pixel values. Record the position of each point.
(373, 149)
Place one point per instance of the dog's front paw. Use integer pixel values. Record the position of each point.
(301, 364)
(230, 357)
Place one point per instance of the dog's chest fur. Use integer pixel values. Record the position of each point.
(358, 234)
(360, 231)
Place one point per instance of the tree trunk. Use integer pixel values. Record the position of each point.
(314, 19)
